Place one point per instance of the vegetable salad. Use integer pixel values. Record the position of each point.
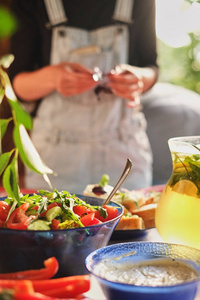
(52, 210)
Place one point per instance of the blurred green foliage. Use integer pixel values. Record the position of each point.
(181, 66)
(8, 22)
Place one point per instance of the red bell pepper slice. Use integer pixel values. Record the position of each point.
(51, 268)
(67, 287)
(58, 283)
(18, 218)
(49, 289)
(38, 296)
(26, 296)
(25, 285)
(21, 295)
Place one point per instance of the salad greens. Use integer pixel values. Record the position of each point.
(45, 207)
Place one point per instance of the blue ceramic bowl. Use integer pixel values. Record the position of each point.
(143, 251)
(27, 249)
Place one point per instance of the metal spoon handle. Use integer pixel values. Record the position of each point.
(125, 173)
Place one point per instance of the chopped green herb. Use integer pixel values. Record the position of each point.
(104, 180)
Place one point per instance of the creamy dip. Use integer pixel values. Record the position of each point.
(157, 272)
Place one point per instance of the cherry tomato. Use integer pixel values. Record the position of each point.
(54, 224)
(81, 210)
(87, 219)
(111, 213)
(4, 210)
(95, 221)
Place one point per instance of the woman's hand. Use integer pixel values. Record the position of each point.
(129, 82)
(126, 82)
(73, 79)
(66, 78)
(70, 79)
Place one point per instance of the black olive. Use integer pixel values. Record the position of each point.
(98, 190)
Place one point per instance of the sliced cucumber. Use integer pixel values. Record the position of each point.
(39, 225)
(53, 212)
(31, 212)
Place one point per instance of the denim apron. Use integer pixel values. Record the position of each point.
(84, 136)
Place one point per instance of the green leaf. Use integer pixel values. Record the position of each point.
(4, 160)
(46, 178)
(10, 180)
(103, 212)
(27, 151)
(3, 126)
(2, 93)
(8, 22)
(21, 115)
(2, 84)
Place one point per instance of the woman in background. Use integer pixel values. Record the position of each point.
(83, 65)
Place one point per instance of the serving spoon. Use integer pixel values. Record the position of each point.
(125, 173)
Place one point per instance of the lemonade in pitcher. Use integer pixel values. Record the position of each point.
(178, 212)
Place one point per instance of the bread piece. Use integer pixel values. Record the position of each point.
(133, 199)
(133, 222)
(149, 200)
(152, 197)
(146, 212)
(131, 205)
(149, 223)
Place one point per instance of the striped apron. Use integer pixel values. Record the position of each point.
(82, 137)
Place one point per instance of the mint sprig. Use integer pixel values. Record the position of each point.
(191, 165)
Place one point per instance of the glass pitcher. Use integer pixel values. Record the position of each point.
(178, 213)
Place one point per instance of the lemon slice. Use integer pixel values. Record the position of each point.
(186, 187)
(178, 165)
(180, 168)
